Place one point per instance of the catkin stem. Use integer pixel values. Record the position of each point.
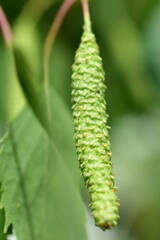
(86, 15)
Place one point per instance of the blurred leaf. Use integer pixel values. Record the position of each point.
(11, 96)
(31, 88)
(152, 38)
(60, 69)
(3, 90)
(3, 124)
(2, 235)
(11, 8)
(135, 146)
(26, 39)
(124, 41)
(34, 9)
(39, 195)
(141, 10)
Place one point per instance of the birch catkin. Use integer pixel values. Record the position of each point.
(91, 133)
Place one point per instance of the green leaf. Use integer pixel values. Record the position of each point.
(38, 167)
(10, 90)
(2, 235)
(60, 71)
(59, 116)
(39, 195)
(31, 89)
(26, 39)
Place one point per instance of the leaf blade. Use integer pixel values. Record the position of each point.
(46, 208)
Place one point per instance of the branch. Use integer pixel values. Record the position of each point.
(5, 28)
(66, 5)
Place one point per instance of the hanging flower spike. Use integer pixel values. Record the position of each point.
(91, 130)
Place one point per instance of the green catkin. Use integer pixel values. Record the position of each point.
(91, 133)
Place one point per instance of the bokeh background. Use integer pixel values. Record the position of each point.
(128, 33)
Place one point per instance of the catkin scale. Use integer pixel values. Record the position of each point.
(91, 131)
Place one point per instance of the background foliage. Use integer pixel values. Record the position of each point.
(128, 34)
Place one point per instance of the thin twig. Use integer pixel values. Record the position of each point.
(66, 5)
(5, 27)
